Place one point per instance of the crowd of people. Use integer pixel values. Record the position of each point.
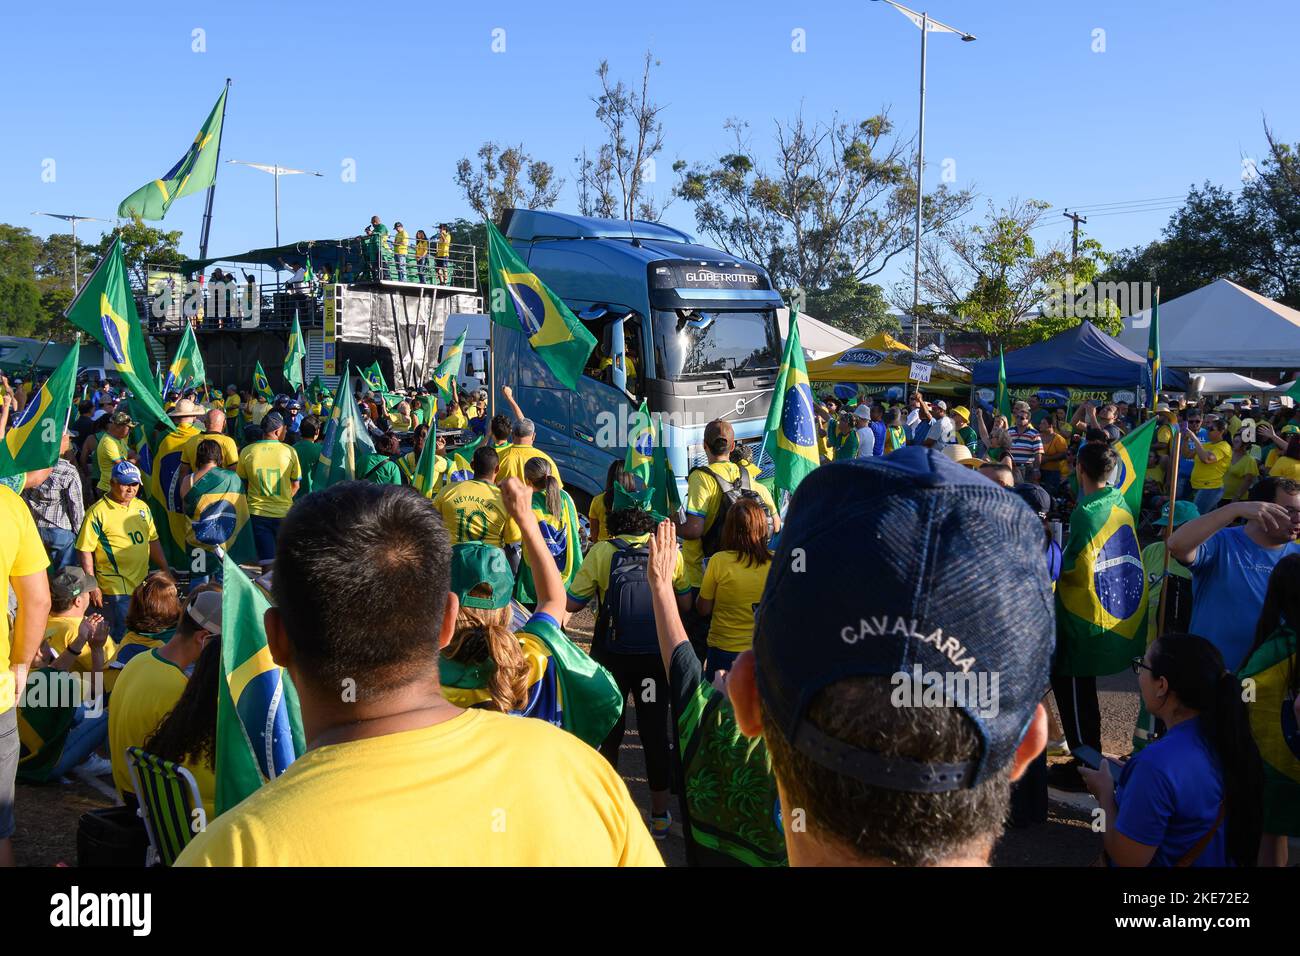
(760, 647)
(396, 255)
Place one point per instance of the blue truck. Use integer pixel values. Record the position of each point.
(689, 329)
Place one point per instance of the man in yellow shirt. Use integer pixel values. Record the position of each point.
(69, 599)
(1212, 458)
(215, 422)
(116, 543)
(22, 566)
(397, 775)
(271, 473)
(113, 447)
(232, 407)
(704, 492)
(473, 510)
(152, 682)
(522, 435)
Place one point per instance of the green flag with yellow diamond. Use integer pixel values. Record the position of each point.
(193, 172)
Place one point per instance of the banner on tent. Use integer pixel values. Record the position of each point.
(1058, 396)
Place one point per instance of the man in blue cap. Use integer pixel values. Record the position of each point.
(117, 541)
(898, 715)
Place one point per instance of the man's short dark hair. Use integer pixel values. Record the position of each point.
(909, 829)
(500, 427)
(1267, 489)
(361, 578)
(486, 461)
(1097, 459)
(309, 427)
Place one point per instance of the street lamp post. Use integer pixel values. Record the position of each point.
(276, 171)
(927, 25)
(73, 219)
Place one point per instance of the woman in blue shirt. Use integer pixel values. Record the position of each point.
(1194, 797)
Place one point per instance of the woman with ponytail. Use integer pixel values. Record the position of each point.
(1274, 677)
(557, 518)
(1193, 797)
(533, 670)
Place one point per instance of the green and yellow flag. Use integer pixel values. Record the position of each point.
(105, 310)
(447, 374)
(791, 422)
(1002, 404)
(187, 366)
(295, 355)
(1156, 370)
(521, 301)
(259, 721)
(33, 441)
(1101, 596)
(374, 377)
(638, 463)
(193, 172)
(261, 385)
(431, 465)
(1271, 709)
(346, 442)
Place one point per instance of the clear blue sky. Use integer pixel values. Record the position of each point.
(406, 89)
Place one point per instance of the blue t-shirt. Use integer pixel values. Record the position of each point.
(1229, 578)
(1168, 797)
(878, 429)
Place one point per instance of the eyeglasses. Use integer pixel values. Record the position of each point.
(1138, 664)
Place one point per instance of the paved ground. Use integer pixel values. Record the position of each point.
(47, 816)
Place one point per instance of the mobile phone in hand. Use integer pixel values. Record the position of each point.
(1090, 757)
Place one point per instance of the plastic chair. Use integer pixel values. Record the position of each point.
(168, 796)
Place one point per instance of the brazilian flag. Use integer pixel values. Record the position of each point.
(462, 461)
(45, 716)
(261, 386)
(193, 172)
(1101, 596)
(1272, 668)
(1002, 403)
(1130, 474)
(218, 518)
(425, 479)
(346, 441)
(163, 487)
(374, 378)
(447, 374)
(259, 722)
(316, 390)
(187, 367)
(791, 422)
(560, 533)
(1153, 352)
(295, 354)
(35, 438)
(521, 301)
(105, 310)
(638, 463)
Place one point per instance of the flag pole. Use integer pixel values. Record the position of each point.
(1169, 525)
(207, 206)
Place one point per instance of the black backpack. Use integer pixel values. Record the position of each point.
(732, 491)
(626, 622)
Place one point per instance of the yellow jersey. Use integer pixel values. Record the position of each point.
(592, 580)
(144, 693)
(702, 497)
(118, 535)
(598, 518)
(1209, 474)
(481, 789)
(735, 587)
(61, 631)
(1239, 477)
(472, 510)
(229, 450)
(21, 553)
(1286, 467)
(269, 468)
(108, 453)
(514, 458)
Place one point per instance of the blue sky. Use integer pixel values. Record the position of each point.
(406, 89)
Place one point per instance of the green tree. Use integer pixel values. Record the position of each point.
(852, 306)
(473, 233)
(615, 185)
(21, 312)
(506, 177)
(143, 246)
(838, 200)
(994, 278)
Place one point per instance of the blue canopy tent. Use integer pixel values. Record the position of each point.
(1081, 357)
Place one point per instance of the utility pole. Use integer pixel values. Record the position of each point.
(1074, 245)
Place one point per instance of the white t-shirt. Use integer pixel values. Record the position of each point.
(866, 442)
(947, 434)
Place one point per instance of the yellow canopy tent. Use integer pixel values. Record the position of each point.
(881, 361)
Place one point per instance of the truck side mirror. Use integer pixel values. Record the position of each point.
(618, 354)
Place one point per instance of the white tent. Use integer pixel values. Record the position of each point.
(1221, 326)
(1230, 383)
(817, 338)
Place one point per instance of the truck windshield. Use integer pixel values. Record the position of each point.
(692, 343)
